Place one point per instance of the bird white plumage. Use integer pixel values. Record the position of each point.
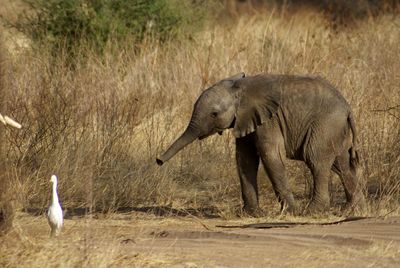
(8, 121)
(55, 213)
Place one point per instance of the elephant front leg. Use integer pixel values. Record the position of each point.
(247, 165)
(275, 169)
(271, 148)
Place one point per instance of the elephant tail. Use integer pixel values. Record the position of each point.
(354, 158)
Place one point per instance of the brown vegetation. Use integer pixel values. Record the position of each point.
(6, 198)
(100, 125)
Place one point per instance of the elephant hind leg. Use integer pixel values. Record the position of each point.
(247, 165)
(323, 142)
(320, 197)
(348, 176)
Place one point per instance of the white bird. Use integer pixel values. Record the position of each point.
(55, 213)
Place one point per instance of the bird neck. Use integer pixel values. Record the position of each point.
(55, 196)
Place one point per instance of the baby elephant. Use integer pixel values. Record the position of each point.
(276, 117)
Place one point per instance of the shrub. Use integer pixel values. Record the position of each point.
(67, 24)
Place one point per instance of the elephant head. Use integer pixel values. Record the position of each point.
(235, 102)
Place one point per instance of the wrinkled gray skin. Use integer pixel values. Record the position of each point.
(275, 117)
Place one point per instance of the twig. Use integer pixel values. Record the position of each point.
(270, 225)
(388, 109)
(196, 219)
(387, 214)
(199, 221)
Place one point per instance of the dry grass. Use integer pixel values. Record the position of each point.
(100, 126)
(6, 195)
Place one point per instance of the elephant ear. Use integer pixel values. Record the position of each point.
(259, 99)
(230, 81)
(235, 77)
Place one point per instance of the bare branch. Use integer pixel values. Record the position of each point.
(388, 110)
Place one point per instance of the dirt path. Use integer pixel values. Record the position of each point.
(364, 243)
(131, 240)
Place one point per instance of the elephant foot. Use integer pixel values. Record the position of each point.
(316, 207)
(253, 211)
(357, 206)
(291, 209)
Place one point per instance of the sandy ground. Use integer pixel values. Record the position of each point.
(138, 240)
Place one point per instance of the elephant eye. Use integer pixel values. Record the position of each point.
(214, 114)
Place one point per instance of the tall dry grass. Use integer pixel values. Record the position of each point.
(100, 126)
(6, 208)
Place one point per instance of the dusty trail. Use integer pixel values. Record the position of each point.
(143, 240)
(363, 243)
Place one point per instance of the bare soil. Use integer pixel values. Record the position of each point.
(142, 240)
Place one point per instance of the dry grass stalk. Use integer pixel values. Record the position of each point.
(6, 206)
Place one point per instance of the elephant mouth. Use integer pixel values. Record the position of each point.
(219, 131)
(232, 125)
(205, 136)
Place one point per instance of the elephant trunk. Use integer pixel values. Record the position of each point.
(187, 137)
